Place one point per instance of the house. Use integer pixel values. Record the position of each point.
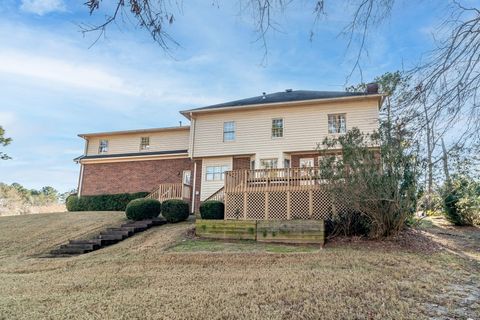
(270, 132)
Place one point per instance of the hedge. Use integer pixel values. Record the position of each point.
(212, 210)
(175, 210)
(105, 202)
(141, 209)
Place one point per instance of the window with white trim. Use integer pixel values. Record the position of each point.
(144, 143)
(337, 123)
(215, 173)
(103, 146)
(277, 128)
(229, 131)
(269, 163)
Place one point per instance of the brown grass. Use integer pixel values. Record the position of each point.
(164, 273)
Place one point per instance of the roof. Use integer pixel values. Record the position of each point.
(135, 154)
(282, 97)
(110, 133)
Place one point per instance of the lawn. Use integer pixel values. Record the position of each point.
(165, 273)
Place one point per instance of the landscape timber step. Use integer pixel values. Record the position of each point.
(106, 237)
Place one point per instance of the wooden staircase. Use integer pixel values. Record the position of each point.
(106, 237)
(218, 195)
(167, 191)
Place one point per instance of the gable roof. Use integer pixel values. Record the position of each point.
(281, 97)
(153, 130)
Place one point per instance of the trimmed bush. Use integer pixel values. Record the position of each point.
(106, 202)
(175, 210)
(141, 209)
(212, 210)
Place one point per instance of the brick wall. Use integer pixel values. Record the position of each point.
(132, 176)
(241, 163)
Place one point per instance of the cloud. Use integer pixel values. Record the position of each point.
(65, 72)
(42, 7)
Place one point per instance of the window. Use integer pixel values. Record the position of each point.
(337, 123)
(277, 128)
(252, 165)
(216, 173)
(229, 131)
(269, 163)
(286, 163)
(103, 146)
(144, 143)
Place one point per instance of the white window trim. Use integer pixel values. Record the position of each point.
(234, 131)
(268, 159)
(100, 150)
(283, 128)
(147, 147)
(222, 167)
(328, 123)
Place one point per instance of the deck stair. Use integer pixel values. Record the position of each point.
(106, 237)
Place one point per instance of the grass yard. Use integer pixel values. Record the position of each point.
(165, 273)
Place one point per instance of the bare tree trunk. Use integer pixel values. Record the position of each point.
(429, 159)
(445, 165)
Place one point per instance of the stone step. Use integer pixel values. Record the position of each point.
(68, 250)
(88, 241)
(125, 233)
(86, 246)
(113, 237)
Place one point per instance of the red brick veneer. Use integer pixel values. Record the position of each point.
(132, 176)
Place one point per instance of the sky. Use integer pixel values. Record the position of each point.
(54, 84)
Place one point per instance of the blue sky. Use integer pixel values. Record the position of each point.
(53, 86)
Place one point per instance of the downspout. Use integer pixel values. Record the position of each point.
(194, 191)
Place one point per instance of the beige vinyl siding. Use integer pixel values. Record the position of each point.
(304, 127)
(130, 143)
(210, 187)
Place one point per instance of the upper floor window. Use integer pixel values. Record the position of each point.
(144, 143)
(337, 123)
(216, 173)
(103, 146)
(229, 131)
(269, 163)
(277, 128)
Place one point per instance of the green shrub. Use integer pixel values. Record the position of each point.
(175, 210)
(462, 202)
(141, 209)
(212, 210)
(106, 202)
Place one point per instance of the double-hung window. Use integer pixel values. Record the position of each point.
(103, 146)
(144, 143)
(277, 128)
(337, 123)
(229, 131)
(215, 173)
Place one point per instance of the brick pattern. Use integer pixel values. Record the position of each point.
(132, 176)
(241, 163)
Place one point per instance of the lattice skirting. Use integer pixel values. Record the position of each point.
(281, 205)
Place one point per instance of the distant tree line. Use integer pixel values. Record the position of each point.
(16, 199)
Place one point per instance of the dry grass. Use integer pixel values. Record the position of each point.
(164, 273)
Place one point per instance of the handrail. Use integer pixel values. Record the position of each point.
(168, 191)
(218, 195)
(273, 179)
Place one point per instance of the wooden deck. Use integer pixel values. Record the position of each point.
(278, 194)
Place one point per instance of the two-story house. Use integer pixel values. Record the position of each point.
(270, 131)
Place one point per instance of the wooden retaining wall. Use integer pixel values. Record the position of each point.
(291, 231)
(226, 229)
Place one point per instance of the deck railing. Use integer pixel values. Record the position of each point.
(168, 191)
(273, 179)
